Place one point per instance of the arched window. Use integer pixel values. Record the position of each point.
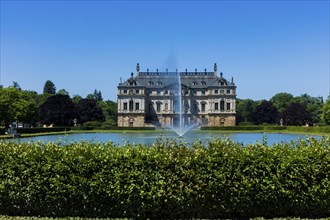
(150, 83)
(203, 83)
(159, 83)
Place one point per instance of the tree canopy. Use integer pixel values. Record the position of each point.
(326, 111)
(16, 105)
(49, 87)
(265, 112)
(58, 110)
(296, 114)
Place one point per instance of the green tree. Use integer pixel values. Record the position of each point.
(97, 95)
(76, 98)
(16, 85)
(313, 104)
(326, 111)
(62, 92)
(281, 100)
(49, 87)
(110, 111)
(244, 109)
(16, 105)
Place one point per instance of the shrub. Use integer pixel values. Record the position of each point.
(168, 180)
(92, 124)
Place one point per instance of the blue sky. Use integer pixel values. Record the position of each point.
(267, 46)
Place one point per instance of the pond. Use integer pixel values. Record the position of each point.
(151, 137)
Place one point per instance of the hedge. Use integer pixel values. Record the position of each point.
(114, 128)
(167, 180)
(244, 128)
(41, 130)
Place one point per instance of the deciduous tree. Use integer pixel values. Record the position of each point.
(88, 110)
(16, 105)
(296, 114)
(58, 110)
(281, 100)
(326, 111)
(266, 112)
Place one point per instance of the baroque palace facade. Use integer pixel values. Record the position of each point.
(153, 99)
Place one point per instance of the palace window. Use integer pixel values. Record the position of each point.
(158, 92)
(166, 106)
(125, 91)
(203, 83)
(203, 92)
(186, 92)
(203, 107)
(150, 83)
(159, 83)
(137, 91)
(166, 92)
(125, 106)
(194, 83)
(222, 105)
(216, 106)
(158, 106)
(216, 91)
(228, 106)
(137, 106)
(228, 91)
(131, 105)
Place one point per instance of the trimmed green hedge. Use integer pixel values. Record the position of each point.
(41, 130)
(168, 180)
(114, 128)
(244, 128)
(321, 129)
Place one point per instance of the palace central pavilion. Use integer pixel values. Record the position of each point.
(153, 99)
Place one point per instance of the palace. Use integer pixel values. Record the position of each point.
(154, 99)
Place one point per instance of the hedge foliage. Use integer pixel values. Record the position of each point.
(167, 180)
(244, 128)
(42, 130)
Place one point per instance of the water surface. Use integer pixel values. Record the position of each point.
(151, 137)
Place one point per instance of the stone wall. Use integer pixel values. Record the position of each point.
(131, 121)
(221, 120)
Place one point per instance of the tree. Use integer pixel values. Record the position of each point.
(110, 110)
(265, 112)
(326, 111)
(76, 98)
(88, 110)
(16, 85)
(49, 87)
(281, 100)
(313, 104)
(97, 95)
(16, 105)
(244, 109)
(296, 114)
(62, 92)
(58, 110)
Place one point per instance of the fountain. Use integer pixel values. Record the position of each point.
(181, 129)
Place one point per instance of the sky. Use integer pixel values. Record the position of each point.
(268, 47)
